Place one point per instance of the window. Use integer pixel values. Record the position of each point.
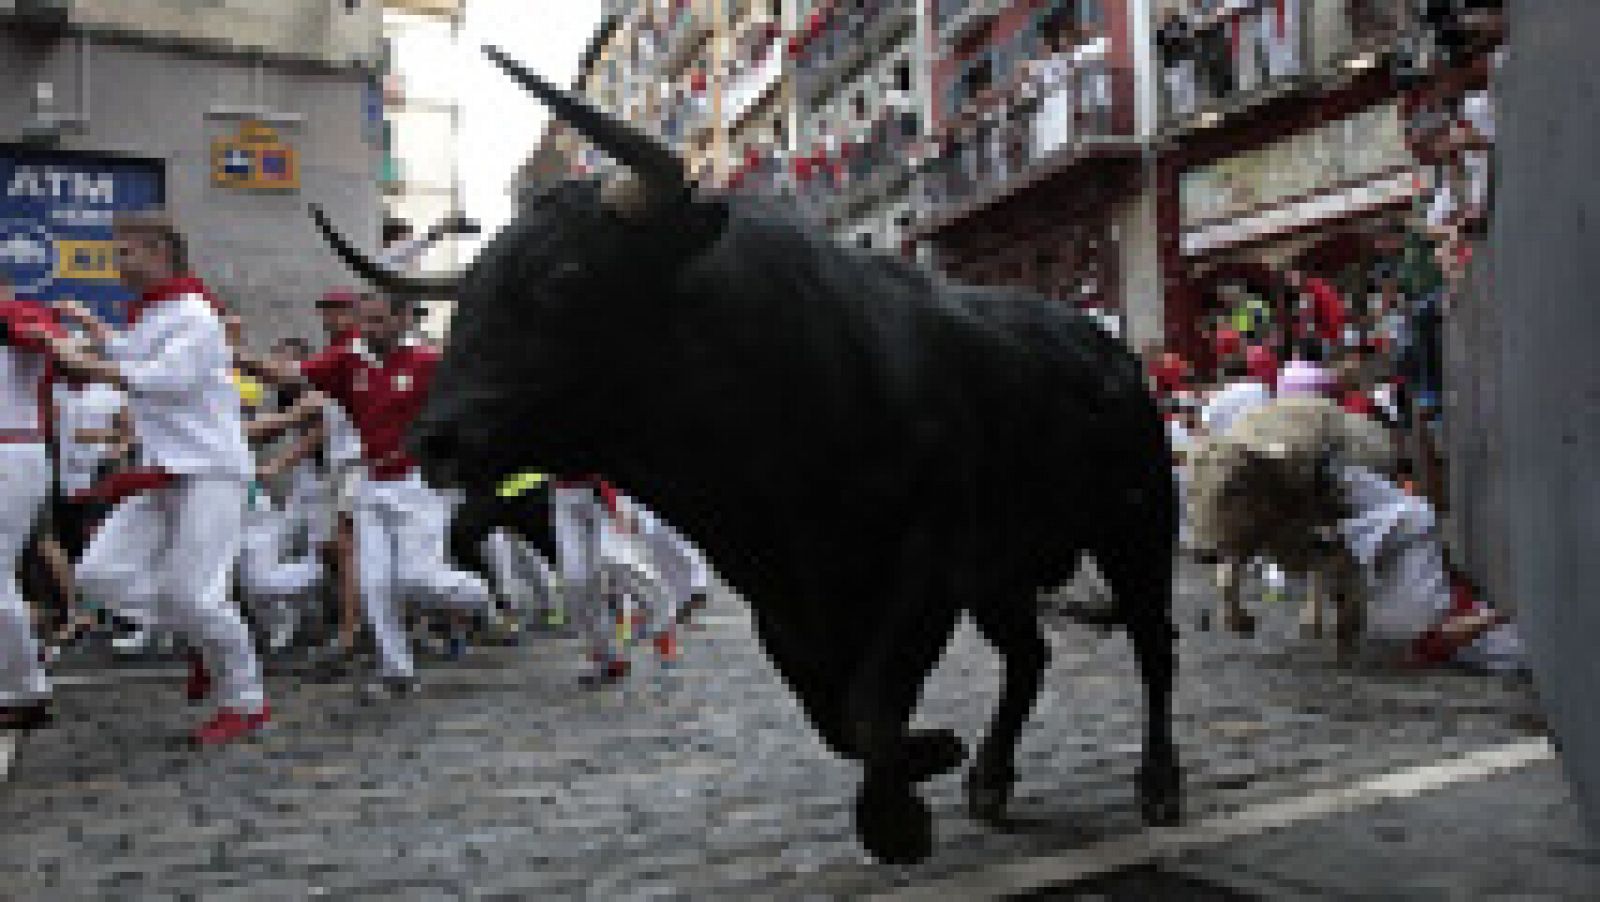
(864, 241)
(902, 76)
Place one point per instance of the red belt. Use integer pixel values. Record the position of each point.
(21, 437)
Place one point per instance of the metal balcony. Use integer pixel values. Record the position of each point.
(955, 19)
(817, 79)
(1332, 42)
(684, 37)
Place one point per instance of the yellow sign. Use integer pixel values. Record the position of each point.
(94, 261)
(255, 159)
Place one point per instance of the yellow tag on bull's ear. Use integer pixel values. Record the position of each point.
(521, 483)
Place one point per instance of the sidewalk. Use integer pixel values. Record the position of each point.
(1513, 835)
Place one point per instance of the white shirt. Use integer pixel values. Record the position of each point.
(1231, 401)
(185, 410)
(21, 380)
(95, 407)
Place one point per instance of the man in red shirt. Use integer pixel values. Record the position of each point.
(1320, 309)
(24, 487)
(381, 382)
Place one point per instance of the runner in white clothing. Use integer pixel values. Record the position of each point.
(25, 353)
(182, 524)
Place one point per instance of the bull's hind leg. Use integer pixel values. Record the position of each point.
(1142, 581)
(1014, 633)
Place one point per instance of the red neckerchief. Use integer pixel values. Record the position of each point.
(167, 289)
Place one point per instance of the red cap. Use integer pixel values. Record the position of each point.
(1227, 341)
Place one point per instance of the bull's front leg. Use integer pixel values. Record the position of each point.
(1229, 596)
(894, 823)
(1350, 609)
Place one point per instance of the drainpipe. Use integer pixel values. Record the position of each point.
(83, 80)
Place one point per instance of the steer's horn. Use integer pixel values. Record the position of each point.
(654, 162)
(368, 269)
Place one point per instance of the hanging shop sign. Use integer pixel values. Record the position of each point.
(55, 222)
(1363, 156)
(254, 159)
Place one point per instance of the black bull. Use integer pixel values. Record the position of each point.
(863, 452)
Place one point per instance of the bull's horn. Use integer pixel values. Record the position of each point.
(654, 162)
(366, 268)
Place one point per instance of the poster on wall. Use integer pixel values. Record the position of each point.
(55, 222)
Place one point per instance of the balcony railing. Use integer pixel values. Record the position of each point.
(749, 86)
(762, 172)
(991, 151)
(875, 164)
(683, 116)
(1252, 50)
(954, 19)
(686, 30)
(836, 43)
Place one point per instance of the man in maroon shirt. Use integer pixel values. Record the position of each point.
(381, 382)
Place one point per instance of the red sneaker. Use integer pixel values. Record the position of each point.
(229, 724)
(198, 687)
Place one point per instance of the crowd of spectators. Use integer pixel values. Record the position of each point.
(1369, 336)
(1020, 104)
(1212, 50)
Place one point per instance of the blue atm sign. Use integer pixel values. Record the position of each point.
(55, 222)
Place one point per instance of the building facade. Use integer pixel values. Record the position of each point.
(419, 173)
(232, 115)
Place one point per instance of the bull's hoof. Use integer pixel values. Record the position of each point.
(895, 825)
(1161, 795)
(989, 792)
(930, 753)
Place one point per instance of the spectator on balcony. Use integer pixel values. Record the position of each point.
(1049, 81)
(1176, 42)
(1279, 27)
(1214, 51)
(1089, 64)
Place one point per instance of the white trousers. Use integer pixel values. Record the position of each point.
(401, 532)
(579, 520)
(166, 557)
(680, 566)
(265, 571)
(525, 577)
(24, 486)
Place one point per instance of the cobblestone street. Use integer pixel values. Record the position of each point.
(503, 779)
